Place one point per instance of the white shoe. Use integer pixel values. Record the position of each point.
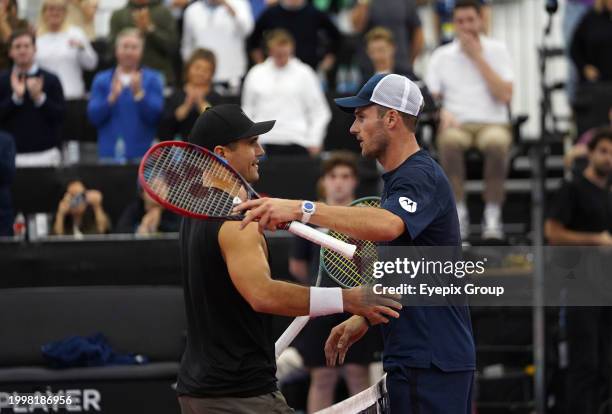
(464, 221)
(492, 226)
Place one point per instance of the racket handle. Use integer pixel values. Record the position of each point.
(345, 249)
(290, 333)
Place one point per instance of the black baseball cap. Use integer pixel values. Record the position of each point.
(222, 124)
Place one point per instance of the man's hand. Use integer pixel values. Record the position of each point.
(470, 44)
(342, 337)
(270, 211)
(35, 87)
(376, 308)
(327, 63)
(605, 238)
(18, 85)
(142, 19)
(591, 73)
(447, 120)
(76, 44)
(93, 198)
(63, 207)
(150, 221)
(183, 110)
(116, 88)
(136, 85)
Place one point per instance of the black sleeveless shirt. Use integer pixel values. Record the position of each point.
(230, 348)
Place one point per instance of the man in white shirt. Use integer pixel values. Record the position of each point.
(289, 89)
(221, 26)
(472, 76)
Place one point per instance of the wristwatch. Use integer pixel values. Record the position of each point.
(308, 209)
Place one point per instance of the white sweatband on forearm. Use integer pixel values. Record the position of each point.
(325, 301)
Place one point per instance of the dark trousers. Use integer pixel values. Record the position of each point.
(429, 391)
(589, 332)
(272, 403)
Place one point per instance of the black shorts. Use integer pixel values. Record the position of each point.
(311, 342)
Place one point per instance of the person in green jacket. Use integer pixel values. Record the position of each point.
(158, 28)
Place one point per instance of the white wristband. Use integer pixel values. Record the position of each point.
(325, 301)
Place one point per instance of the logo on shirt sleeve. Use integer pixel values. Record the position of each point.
(407, 204)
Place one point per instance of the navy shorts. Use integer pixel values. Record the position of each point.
(429, 391)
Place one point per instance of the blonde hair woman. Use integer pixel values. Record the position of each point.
(63, 49)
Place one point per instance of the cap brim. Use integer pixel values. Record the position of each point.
(350, 103)
(258, 128)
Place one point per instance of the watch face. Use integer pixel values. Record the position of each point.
(308, 206)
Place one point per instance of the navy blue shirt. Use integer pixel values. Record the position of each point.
(419, 193)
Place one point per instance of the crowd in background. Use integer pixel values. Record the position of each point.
(145, 69)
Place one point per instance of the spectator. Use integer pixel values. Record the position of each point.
(591, 48)
(9, 22)
(7, 171)
(380, 47)
(158, 29)
(344, 76)
(102, 18)
(80, 212)
(177, 9)
(285, 87)
(591, 52)
(307, 25)
(146, 217)
(580, 216)
(402, 19)
(81, 14)
(222, 27)
(577, 156)
(31, 104)
(573, 13)
(126, 102)
(473, 79)
(443, 19)
(338, 183)
(185, 105)
(63, 49)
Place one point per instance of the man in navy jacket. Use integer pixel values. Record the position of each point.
(31, 102)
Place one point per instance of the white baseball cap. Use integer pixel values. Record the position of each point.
(389, 90)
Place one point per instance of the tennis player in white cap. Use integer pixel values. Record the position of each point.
(429, 352)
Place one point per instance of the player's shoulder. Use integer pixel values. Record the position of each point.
(231, 236)
(418, 167)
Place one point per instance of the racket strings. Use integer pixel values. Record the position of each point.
(192, 181)
(359, 270)
(355, 272)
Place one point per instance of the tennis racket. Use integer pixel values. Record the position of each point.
(194, 182)
(347, 273)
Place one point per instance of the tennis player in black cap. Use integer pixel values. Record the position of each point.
(229, 362)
